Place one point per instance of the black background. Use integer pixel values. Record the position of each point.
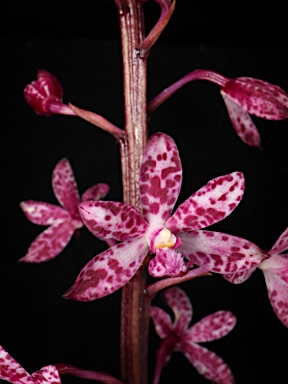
(80, 45)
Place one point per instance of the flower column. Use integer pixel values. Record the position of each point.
(135, 305)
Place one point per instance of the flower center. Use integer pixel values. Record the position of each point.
(165, 239)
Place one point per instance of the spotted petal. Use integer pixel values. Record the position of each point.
(109, 270)
(49, 243)
(212, 327)
(11, 371)
(160, 178)
(162, 322)
(112, 220)
(258, 97)
(239, 277)
(97, 192)
(281, 244)
(242, 122)
(65, 187)
(207, 363)
(220, 252)
(42, 213)
(46, 375)
(212, 203)
(278, 295)
(181, 306)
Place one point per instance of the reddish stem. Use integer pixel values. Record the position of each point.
(135, 305)
(199, 74)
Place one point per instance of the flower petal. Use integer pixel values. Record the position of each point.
(162, 321)
(97, 192)
(42, 213)
(109, 271)
(49, 243)
(46, 375)
(242, 122)
(11, 371)
(258, 97)
(160, 178)
(281, 244)
(181, 306)
(163, 356)
(65, 187)
(239, 277)
(278, 295)
(220, 252)
(207, 363)
(212, 327)
(112, 220)
(212, 203)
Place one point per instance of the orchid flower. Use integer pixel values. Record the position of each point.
(275, 270)
(178, 337)
(243, 96)
(178, 236)
(14, 373)
(44, 95)
(62, 221)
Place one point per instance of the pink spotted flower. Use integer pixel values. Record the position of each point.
(173, 240)
(14, 373)
(176, 336)
(62, 221)
(275, 270)
(243, 96)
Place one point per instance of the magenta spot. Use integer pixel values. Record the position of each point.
(110, 279)
(225, 238)
(170, 183)
(229, 178)
(123, 216)
(107, 217)
(223, 197)
(155, 183)
(166, 171)
(113, 264)
(159, 157)
(209, 234)
(100, 274)
(164, 156)
(217, 215)
(232, 206)
(237, 255)
(118, 270)
(200, 211)
(154, 208)
(131, 265)
(129, 223)
(190, 220)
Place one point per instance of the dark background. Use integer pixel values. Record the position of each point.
(80, 45)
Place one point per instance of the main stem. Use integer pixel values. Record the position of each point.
(135, 304)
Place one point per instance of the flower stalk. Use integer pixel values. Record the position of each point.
(135, 305)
